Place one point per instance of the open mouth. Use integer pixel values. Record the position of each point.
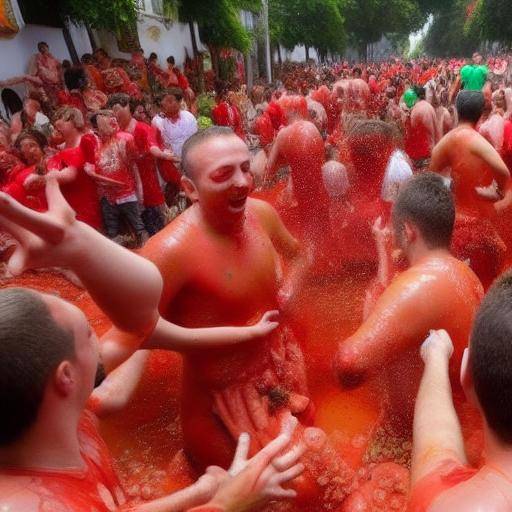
(237, 203)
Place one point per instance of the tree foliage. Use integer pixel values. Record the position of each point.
(369, 20)
(448, 34)
(491, 20)
(315, 24)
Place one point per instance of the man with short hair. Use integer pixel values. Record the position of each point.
(175, 125)
(147, 152)
(480, 185)
(436, 291)
(220, 264)
(441, 477)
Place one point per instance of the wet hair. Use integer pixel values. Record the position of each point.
(470, 105)
(197, 139)
(490, 361)
(35, 135)
(75, 78)
(120, 98)
(428, 204)
(87, 58)
(171, 60)
(94, 117)
(420, 92)
(41, 44)
(173, 91)
(32, 345)
(153, 56)
(70, 114)
(12, 102)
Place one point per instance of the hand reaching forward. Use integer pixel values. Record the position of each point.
(250, 482)
(44, 239)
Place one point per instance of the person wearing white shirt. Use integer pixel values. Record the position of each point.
(175, 125)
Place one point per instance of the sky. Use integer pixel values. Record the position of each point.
(415, 38)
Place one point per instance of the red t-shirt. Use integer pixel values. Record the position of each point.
(447, 475)
(113, 160)
(145, 138)
(224, 114)
(71, 99)
(95, 488)
(81, 193)
(34, 199)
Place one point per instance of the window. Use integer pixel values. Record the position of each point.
(158, 7)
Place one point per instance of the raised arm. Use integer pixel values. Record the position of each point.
(274, 158)
(437, 435)
(125, 286)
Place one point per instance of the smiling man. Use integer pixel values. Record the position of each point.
(219, 262)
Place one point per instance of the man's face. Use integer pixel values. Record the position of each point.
(140, 113)
(107, 125)
(122, 114)
(85, 362)
(7, 162)
(170, 105)
(31, 151)
(220, 172)
(64, 127)
(477, 59)
(44, 49)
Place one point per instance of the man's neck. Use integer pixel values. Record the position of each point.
(52, 443)
(129, 126)
(420, 252)
(73, 139)
(173, 117)
(219, 226)
(498, 455)
(467, 124)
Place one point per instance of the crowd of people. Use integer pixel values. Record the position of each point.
(399, 167)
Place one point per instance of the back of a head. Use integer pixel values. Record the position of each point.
(426, 202)
(32, 345)
(470, 105)
(197, 139)
(490, 361)
(75, 78)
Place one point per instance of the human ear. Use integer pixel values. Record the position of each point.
(64, 378)
(190, 189)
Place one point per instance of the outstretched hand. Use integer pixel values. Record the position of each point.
(250, 482)
(268, 322)
(39, 236)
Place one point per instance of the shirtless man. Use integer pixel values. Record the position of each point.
(421, 131)
(300, 146)
(219, 262)
(387, 342)
(480, 184)
(441, 477)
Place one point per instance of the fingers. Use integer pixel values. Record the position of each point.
(289, 474)
(262, 459)
(270, 316)
(288, 425)
(279, 493)
(241, 453)
(290, 458)
(18, 261)
(41, 225)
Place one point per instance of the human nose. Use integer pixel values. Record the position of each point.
(242, 179)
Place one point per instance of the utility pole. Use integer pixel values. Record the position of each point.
(267, 41)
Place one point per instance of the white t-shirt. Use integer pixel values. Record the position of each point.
(398, 172)
(175, 134)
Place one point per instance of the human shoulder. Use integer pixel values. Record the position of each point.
(265, 212)
(187, 116)
(16, 494)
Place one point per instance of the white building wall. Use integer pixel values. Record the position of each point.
(16, 52)
(298, 54)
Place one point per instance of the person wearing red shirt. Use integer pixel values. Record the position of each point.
(67, 166)
(148, 152)
(26, 183)
(227, 114)
(441, 477)
(113, 167)
(51, 454)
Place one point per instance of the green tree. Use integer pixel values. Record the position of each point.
(491, 20)
(315, 24)
(369, 20)
(448, 34)
(219, 24)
